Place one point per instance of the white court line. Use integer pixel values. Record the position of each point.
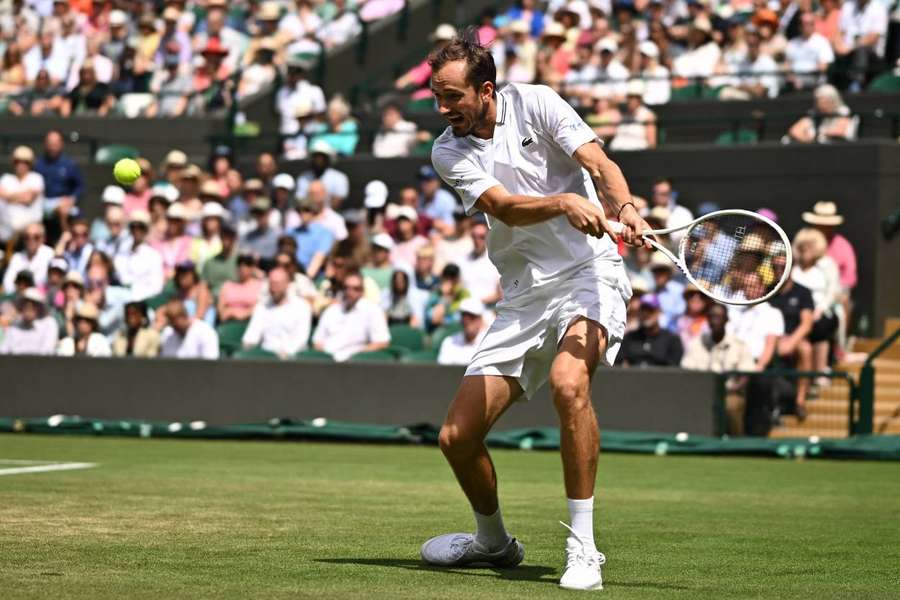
(45, 468)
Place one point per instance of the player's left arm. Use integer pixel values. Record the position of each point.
(612, 189)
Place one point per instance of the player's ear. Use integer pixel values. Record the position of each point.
(487, 90)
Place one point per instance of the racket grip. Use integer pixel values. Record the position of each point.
(617, 227)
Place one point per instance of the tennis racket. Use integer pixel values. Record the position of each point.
(733, 256)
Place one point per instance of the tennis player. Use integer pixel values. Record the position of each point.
(525, 158)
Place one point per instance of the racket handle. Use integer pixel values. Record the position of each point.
(617, 227)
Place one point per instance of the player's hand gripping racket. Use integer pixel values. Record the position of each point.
(732, 256)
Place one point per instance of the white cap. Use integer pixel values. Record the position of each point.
(376, 194)
(164, 190)
(322, 147)
(406, 212)
(444, 32)
(113, 194)
(648, 48)
(607, 43)
(284, 181)
(472, 306)
(635, 87)
(214, 209)
(383, 240)
(117, 18)
(177, 211)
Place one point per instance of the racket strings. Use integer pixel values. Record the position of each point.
(735, 257)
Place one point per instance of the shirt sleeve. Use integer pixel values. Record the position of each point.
(322, 329)
(559, 121)
(299, 336)
(461, 174)
(210, 348)
(378, 327)
(253, 335)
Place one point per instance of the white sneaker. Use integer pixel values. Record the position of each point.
(461, 549)
(583, 564)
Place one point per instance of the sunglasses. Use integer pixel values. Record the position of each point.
(34, 237)
(353, 288)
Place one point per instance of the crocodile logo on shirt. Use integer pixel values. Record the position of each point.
(527, 141)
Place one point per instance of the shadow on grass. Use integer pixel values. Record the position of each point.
(521, 573)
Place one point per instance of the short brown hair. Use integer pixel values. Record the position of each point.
(478, 59)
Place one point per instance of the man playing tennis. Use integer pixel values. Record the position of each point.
(525, 158)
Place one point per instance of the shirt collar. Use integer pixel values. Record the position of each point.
(502, 111)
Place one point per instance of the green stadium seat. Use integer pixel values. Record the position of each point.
(441, 332)
(230, 334)
(887, 82)
(420, 357)
(741, 136)
(314, 355)
(691, 91)
(407, 337)
(253, 353)
(112, 153)
(376, 356)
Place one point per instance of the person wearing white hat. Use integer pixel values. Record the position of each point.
(479, 275)
(408, 240)
(826, 218)
(376, 195)
(75, 245)
(459, 348)
(283, 216)
(213, 217)
(86, 339)
(21, 195)
(175, 245)
(655, 75)
(702, 55)
(637, 129)
(525, 158)
(116, 239)
(34, 332)
(112, 196)
(327, 217)
(396, 136)
(321, 161)
(343, 27)
(379, 269)
(140, 266)
(35, 256)
(612, 75)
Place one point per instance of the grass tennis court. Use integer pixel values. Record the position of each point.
(218, 519)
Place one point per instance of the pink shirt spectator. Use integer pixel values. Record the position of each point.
(135, 202)
(241, 295)
(404, 253)
(841, 252)
(420, 74)
(173, 251)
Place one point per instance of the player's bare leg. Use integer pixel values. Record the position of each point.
(570, 384)
(479, 402)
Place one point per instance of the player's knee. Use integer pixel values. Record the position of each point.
(569, 393)
(454, 440)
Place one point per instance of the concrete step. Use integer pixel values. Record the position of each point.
(838, 407)
(805, 432)
(891, 325)
(867, 345)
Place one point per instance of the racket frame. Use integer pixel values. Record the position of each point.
(682, 265)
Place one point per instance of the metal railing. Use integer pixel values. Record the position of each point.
(866, 386)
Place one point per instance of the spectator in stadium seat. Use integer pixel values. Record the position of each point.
(216, 26)
(75, 245)
(702, 54)
(237, 299)
(297, 93)
(353, 324)
(173, 39)
(21, 195)
(174, 246)
(63, 181)
(419, 76)
(112, 197)
(435, 202)
(314, 241)
(53, 288)
(554, 54)
(693, 323)
(824, 217)
(49, 53)
(34, 332)
(140, 266)
(658, 88)
(380, 267)
(408, 241)
(261, 73)
(669, 292)
(327, 217)
(396, 137)
(403, 302)
(281, 323)
(793, 348)
(604, 117)
(754, 75)
(223, 266)
(831, 120)
(43, 97)
(612, 75)
(650, 345)
(582, 73)
(808, 55)
(172, 88)
(109, 299)
(479, 276)
(85, 339)
(12, 72)
(72, 296)
(443, 306)
(90, 96)
(194, 292)
(184, 337)
(117, 239)
(301, 286)
(408, 197)
(459, 348)
(862, 40)
(339, 129)
(425, 279)
(637, 125)
(664, 195)
(262, 240)
(760, 325)
(718, 351)
(211, 81)
(34, 257)
(322, 157)
(213, 217)
(301, 22)
(137, 338)
(814, 270)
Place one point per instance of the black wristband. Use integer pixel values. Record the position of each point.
(621, 208)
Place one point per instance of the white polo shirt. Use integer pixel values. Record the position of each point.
(199, 341)
(343, 333)
(530, 154)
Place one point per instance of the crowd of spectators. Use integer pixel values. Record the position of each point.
(185, 256)
(166, 59)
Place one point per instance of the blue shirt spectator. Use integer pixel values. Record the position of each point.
(63, 180)
(434, 201)
(312, 238)
(338, 184)
(669, 292)
(535, 18)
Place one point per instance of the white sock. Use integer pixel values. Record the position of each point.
(490, 531)
(581, 514)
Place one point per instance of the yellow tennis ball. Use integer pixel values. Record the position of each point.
(126, 171)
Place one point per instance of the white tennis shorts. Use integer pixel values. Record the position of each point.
(523, 340)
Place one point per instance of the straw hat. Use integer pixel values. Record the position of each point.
(87, 311)
(823, 213)
(141, 217)
(24, 154)
(554, 30)
(210, 188)
(443, 33)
